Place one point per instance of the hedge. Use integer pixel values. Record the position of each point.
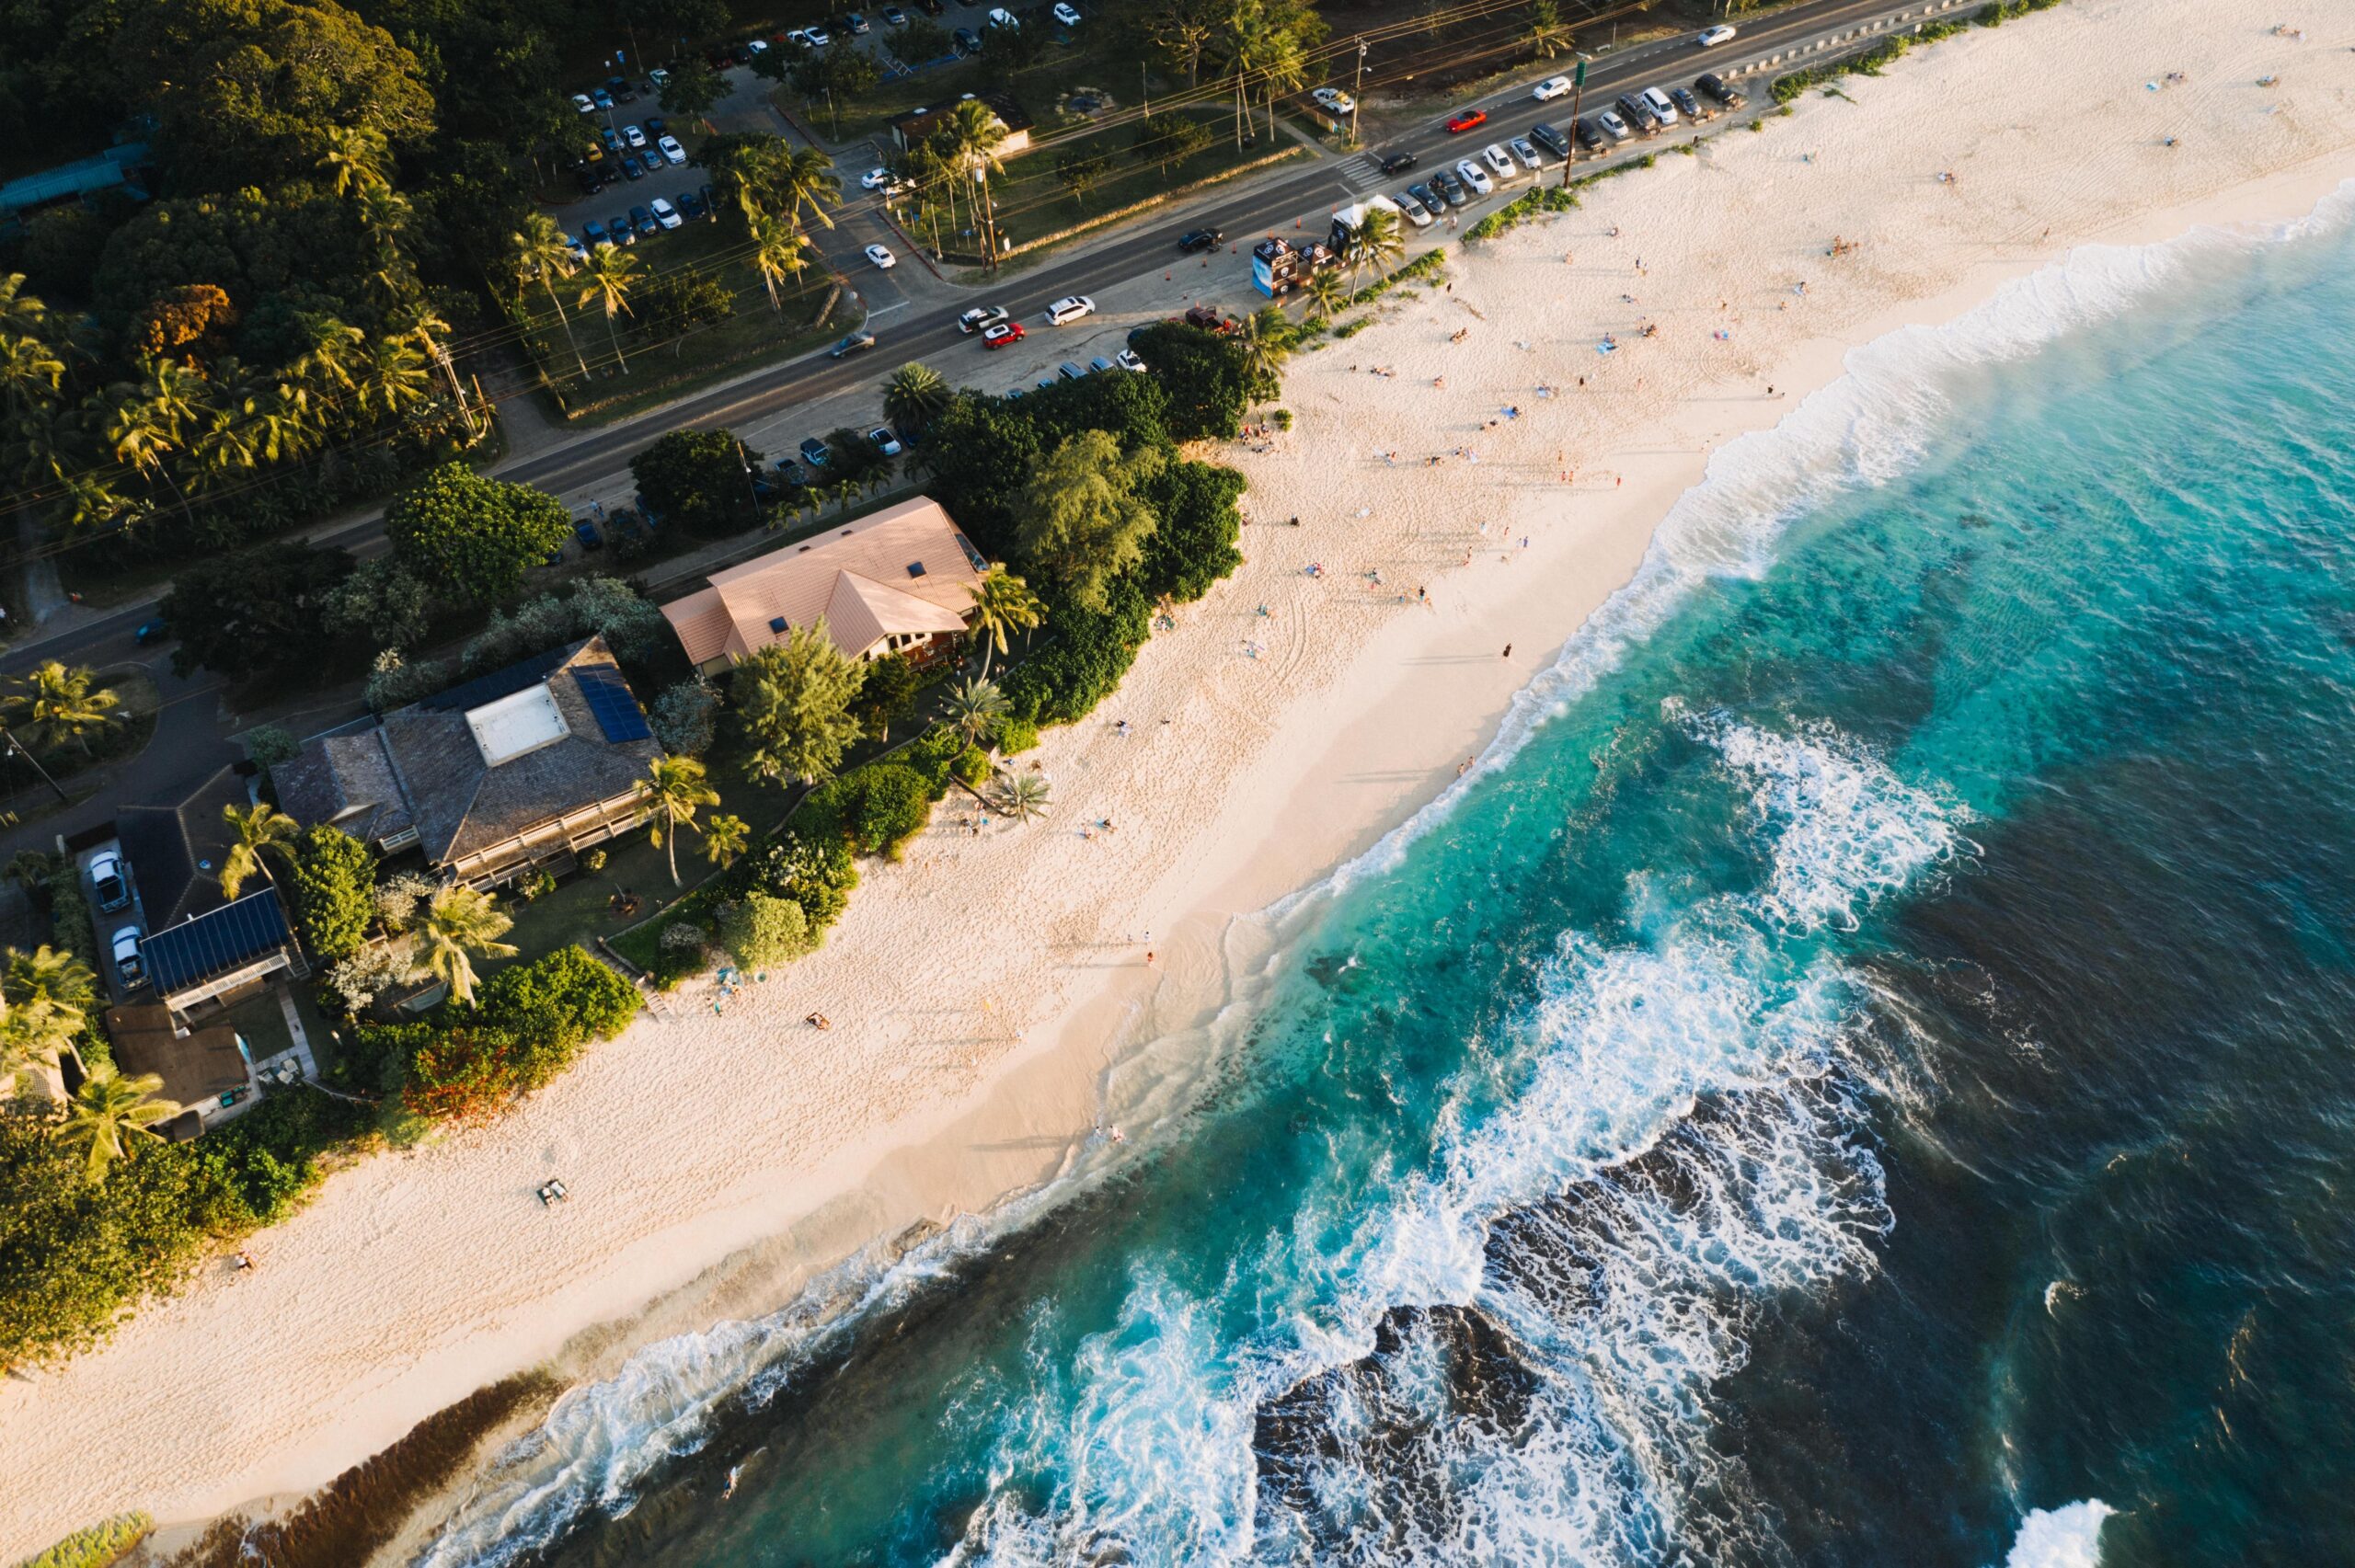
(96, 1546)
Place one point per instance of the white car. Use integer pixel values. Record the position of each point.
(126, 956)
(1552, 87)
(1002, 17)
(1417, 214)
(1071, 307)
(672, 152)
(664, 213)
(1500, 164)
(1661, 105)
(1473, 175)
(110, 887)
(819, 38)
(1612, 126)
(1710, 37)
(1127, 359)
(1066, 15)
(634, 136)
(979, 317)
(881, 256)
(758, 46)
(1335, 99)
(1526, 151)
(584, 103)
(875, 180)
(885, 441)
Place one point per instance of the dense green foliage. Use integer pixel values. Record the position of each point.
(793, 700)
(474, 537)
(258, 610)
(697, 478)
(761, 929)
(1203, 376)
(98, 1546)
(329, 884)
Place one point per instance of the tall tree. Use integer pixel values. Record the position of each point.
(45, 998)
(793, 699)
(612, 273)
(53, 703)
(1080, 519)
(778, 249)
(672, 792)
(473, 536)
(973, 708)
(355, 158)
(1265, 340)
(541, 257)
(724, 838)
(458, 922)
(1003, 604)
(151, 419)
(914, 397)
(106, 1112)
(258, 834)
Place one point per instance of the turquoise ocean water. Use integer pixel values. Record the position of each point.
(1863, 1074)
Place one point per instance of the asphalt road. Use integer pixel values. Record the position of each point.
(931, 335)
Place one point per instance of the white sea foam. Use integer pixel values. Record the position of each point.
(2066, 1537)
(1864, 430)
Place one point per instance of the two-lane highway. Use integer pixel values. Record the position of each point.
(1268, 205)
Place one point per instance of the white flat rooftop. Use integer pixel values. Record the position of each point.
(520, 722)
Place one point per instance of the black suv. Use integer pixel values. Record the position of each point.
(1450, 188)
(1553, 141)
(1591, 135)
(1714, 85)
(1393, 162)
(1194, 240)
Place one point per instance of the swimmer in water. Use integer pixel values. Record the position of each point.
(730, 1489)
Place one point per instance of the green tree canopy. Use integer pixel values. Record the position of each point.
(1080, 521)
(331, 880)
(697, 478)
(261, 610)
(1205, 377)
(794, 700)
(474, 536)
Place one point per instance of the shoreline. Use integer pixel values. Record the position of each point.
(1384, 700)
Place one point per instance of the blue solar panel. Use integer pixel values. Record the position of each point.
(214, 944)
(609, 699)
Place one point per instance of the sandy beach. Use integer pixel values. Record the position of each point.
(980, 990)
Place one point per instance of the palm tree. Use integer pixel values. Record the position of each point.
(394, 376)
(970, 138)
(1003, 604)
(724, 838)
(54, 704)
(458, 920)
(973, 707)
(778, 249)
(44, 1000)
(30, 374)
(542, 256)
(331, 362)
(1265, 338)
(914, 395)
(1326, 292)
(1023, 796)
(804, 181)
(673, 789)
(260, 832)
(106, 1109)
(356, 156)
(1546, 35)
(148, 418)
(20, 311)
(612, 273)
(1377, 241)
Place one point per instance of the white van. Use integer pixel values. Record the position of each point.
(1661, 105)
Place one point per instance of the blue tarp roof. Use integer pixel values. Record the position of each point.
(211, 944)
(79, 178)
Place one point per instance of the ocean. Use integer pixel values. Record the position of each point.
(1863, 1073)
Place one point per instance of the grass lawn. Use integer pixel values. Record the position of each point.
(662, 369)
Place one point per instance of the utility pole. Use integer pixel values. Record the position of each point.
(750, 489)
(1577, 97)
(16, 751)
(1144, 96)
(1360, 89)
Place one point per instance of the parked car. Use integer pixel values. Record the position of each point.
(586, 532)
(621, 89)
(1335, 99)
(875, 178)
(658, 79)
(968, 41)
(858, 24)
(852, 345)
(1688, 105)
(1552, 87)
(665, 215)
(1099, 364)
(691, 206)
(594, 232)
(655, 126)
(1526, 151)
(1713, 86)
(580, 251)
(1069, 370)
(620, 230)
(1450, 189)
(602, 99)
(1457, 125)
(1071, 307)
(1398, 162)
(673, 153)
(610, 140)
(1066, 15)
(819, 38)
(815, 453)
(634, 136)
(789, 474)
(1663, 109)
(998, 334)
(881, 256)
(1709, 38)
(1196, 240)
(1412, 206)
(1612, 126)
(1638, 114)
(1002, 17)
(1432, 201)
(631, 167)
(1127, 359)
(894, 18)
(981, 316)
(930, 8)
(1500, 163)
(1591, 135)
(126, 956)
(1550, 139)
(584, 103)
(110, 889)
(1475, 177)
(643, 221)
(886, 441)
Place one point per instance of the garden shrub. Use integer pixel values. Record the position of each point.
(1016, 736)
(811, 866)
(1083, 659)
(889, 804)
(1195, 544)
(931, 758)
(98, 1546)
(760, 929)
(331, 884)
(971, 766)
(69, 916)
(553, 1006)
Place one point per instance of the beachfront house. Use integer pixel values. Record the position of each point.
(510, 775)
(202, 950)
(205, 1069)
(898, 581)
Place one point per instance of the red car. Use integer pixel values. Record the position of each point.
(1458, 124)
(1004, 332)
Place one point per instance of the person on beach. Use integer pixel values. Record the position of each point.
(1508, 650)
